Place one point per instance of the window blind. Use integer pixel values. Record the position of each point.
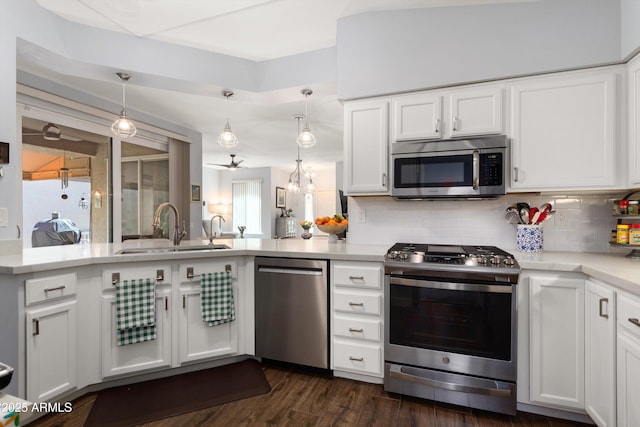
(247, 205)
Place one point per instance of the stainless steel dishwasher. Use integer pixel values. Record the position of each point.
(291, 300)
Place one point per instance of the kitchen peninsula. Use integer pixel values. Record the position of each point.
(64, 296)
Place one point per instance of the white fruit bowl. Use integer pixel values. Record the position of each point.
(332, 230)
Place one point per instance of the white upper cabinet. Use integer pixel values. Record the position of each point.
(634, 121)
(468, 111)
(563, 130)
(366, 147)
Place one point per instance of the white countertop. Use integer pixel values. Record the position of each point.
(614, 269)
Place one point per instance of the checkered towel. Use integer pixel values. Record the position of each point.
(136, 311)
(216, 299)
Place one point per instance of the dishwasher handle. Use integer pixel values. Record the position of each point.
(291, 270)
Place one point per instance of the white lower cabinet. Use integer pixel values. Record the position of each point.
(357, 319)
(198, 340)
(51, 330)
(51, 350)
(142, 356)
(600, 356)
(556, 370)
(628, 361)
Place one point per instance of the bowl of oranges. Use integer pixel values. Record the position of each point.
(332, 225)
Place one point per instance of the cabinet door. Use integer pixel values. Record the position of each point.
(557, 341)
(476, 111)
(117, 360)
(563, 131)
(600, 344)
(628, 384)
(51, 350)
(199, 340)
(366, 139)
(634, 121)
(416, 117)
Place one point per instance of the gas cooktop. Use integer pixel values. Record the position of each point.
(408, 258)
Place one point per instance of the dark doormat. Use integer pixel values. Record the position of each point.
(167, 397)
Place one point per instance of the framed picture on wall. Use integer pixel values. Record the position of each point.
(281, 198)
(195, 193)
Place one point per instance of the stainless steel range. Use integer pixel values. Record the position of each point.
(450, 324)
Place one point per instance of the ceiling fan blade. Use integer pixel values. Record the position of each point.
(70, 138)
(237, 163)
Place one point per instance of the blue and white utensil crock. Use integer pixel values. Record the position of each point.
(529, 238)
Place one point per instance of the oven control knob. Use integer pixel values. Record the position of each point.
(445, 360)
(403, 256)
(509, 260)
(392, 254)
(497, 259)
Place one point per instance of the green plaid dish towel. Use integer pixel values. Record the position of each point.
(216, 299)
(135, 311)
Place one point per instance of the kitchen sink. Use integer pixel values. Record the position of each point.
(167, 249)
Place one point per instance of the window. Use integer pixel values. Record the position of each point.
(247, 205)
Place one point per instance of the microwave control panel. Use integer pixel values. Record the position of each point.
(491, 169)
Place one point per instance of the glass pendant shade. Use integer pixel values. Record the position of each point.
(306, 138)
(123, 126)
(227, 138)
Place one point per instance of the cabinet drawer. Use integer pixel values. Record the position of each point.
(368, 330)
(357, 303)
(48, 288)
(358, 358)
(358, 275)
(161, 273)
(629, 313)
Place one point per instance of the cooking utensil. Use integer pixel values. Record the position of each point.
(546, 207)
(536, 217)
(545, 216)
(512, 216)
(534, 213)
(524, 215)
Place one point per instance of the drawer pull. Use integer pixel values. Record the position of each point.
(602, 302)
(356, 330)
(36, 327)
(356, 304)
(356, 359)
(166, 303)
(184, 301)
(635, 321)
(57, 288)
(356, 277)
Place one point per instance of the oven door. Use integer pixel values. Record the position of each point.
(471, 173)
(466, 328)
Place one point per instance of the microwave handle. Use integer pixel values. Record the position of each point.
(476, 169)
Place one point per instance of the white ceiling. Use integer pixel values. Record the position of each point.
(252, 29)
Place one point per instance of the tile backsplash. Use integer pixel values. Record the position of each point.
(582, 223)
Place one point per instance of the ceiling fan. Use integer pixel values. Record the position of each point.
(232, 166)
(51, 132)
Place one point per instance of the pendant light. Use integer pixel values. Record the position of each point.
(227, 138)
(295, 179)
(306, 138)
(123, 126)
(64, 172)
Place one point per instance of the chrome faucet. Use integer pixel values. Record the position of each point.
(177, 234)
(220, 219)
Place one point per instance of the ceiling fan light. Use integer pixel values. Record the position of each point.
(306, 138)
(123, 126)
(227, 138)
(51, 132)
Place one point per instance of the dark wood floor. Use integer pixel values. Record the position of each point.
(305, 399)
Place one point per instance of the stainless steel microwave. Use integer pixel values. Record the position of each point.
(461, 168)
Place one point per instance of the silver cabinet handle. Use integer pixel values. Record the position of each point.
(436, 126)
(356, 304)
(356, 277)
(356, 359)
(36, 327)
(455, 123)
(166, 303)
(601, 303)
(356, 330)
(57, 288)
(635, 321)
(184, 301)
(384, 179)
(515, 174)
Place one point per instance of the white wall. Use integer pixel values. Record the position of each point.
(395, 51)
(587, 228)
(630, 27)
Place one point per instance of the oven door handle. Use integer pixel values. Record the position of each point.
(396, 372)
(451, 286)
